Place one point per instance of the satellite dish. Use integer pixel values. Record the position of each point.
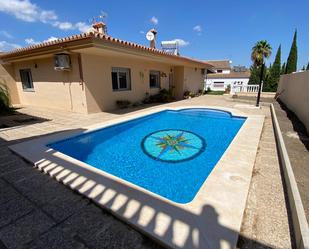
(150, 36)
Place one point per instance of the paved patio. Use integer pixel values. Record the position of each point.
(56, 217)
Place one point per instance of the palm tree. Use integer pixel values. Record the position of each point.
(260, 52)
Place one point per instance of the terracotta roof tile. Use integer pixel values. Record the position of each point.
(92, 35)
(220, 64)
(245, 74)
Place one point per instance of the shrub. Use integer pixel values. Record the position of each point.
(228, 89)
(200, 92)
(164, 96)
(137, 103)
(192, 94)
(187, 94)
(5, 104)
(123, 103)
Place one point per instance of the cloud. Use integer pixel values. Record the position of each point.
(198, 28)
(52, 38)
(63, 25)
(142, 32)
(181, 42)
(154, 20)
(6, 46)
(26, 11)
(6, 34)
(31, 41)
(82, 27)
(29, 12)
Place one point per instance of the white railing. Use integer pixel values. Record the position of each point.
(246, 89)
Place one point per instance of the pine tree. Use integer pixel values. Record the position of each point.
(307, 68)
(291, 64)
(274, 72)
(283, 68)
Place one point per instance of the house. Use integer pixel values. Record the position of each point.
(223, 75)
(89, 72)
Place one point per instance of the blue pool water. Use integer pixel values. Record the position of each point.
(170, 153)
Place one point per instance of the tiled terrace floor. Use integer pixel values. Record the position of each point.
(38, 212)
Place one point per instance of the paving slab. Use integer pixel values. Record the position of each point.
(55, 238)
(7, 192)
(25, 229)
(14, 209)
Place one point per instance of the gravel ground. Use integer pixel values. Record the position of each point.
(296, 140)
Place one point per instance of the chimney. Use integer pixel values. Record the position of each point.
(100, 27)
(153, 41)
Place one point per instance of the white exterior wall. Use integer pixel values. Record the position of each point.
(230, 81)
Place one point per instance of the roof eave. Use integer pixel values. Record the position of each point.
(92, 40)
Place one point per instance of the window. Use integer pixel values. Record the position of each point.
(121, 79)
(154, 79)
(219, 71)
(219, 84)
(26, 79)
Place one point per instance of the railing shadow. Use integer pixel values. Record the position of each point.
(163, 220)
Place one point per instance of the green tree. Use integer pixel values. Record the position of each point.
(260, 51)
(307, 68)
(291, 64)
(274, 73)
(283, 68)
(303, 68)
(255, 73)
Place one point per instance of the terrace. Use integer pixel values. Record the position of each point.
(60, 217)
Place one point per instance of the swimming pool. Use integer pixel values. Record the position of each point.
(170, 153)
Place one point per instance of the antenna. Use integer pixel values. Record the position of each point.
(99, 19)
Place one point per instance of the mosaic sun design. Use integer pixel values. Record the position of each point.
(173, 145)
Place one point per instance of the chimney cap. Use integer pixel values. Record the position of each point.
(153, 31)
(98, 25)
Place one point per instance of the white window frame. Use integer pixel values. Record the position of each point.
(118, 70)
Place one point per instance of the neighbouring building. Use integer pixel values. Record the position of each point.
(223, 75)
(89, 72)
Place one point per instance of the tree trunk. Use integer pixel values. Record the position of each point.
(260, 86)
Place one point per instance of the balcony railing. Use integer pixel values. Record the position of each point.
(246, 89)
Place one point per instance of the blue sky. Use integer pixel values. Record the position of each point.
(206, 29)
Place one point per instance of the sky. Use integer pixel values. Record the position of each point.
(207, 30)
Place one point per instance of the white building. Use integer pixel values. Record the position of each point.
(223, 75)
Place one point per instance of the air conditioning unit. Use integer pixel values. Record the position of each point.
(62, 62)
